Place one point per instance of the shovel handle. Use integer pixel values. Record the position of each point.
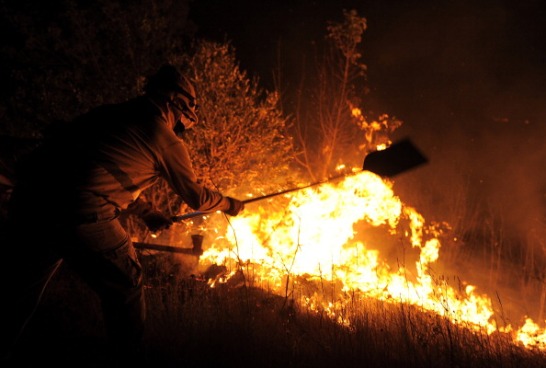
(389, 162)
(250, 200)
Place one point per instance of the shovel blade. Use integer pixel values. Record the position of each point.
(396, 159)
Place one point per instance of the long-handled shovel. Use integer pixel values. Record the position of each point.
(396, 159)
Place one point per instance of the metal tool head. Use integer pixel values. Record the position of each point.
(395, 159)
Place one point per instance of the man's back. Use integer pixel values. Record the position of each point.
(107, 156)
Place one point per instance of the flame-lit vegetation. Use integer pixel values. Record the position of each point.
(314, 249)
(343, 274)
(239, 323)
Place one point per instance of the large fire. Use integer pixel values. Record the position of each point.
(322, 234)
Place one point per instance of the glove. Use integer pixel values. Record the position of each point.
(235, 206)
(156, 221)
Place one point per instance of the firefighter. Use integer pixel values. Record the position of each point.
(71, 190)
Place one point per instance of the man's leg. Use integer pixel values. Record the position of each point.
(107, 261)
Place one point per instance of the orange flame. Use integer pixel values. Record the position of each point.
(320, 234)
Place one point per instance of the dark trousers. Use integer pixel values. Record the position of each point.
(101, 253)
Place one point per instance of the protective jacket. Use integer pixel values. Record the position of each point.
(102, 161)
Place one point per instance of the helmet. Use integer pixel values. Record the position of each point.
(171, 83)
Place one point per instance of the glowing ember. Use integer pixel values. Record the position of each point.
(321, 235)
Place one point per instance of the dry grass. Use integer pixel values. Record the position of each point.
(193, 325)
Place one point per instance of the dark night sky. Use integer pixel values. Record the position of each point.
(457, 53)
(466, 77)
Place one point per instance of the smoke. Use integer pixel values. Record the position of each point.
(467, 81)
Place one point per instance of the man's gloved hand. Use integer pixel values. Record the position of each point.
(156, 221)
(235, 206)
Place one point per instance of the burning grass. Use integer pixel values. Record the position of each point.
(237, 325)
(318, 246)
